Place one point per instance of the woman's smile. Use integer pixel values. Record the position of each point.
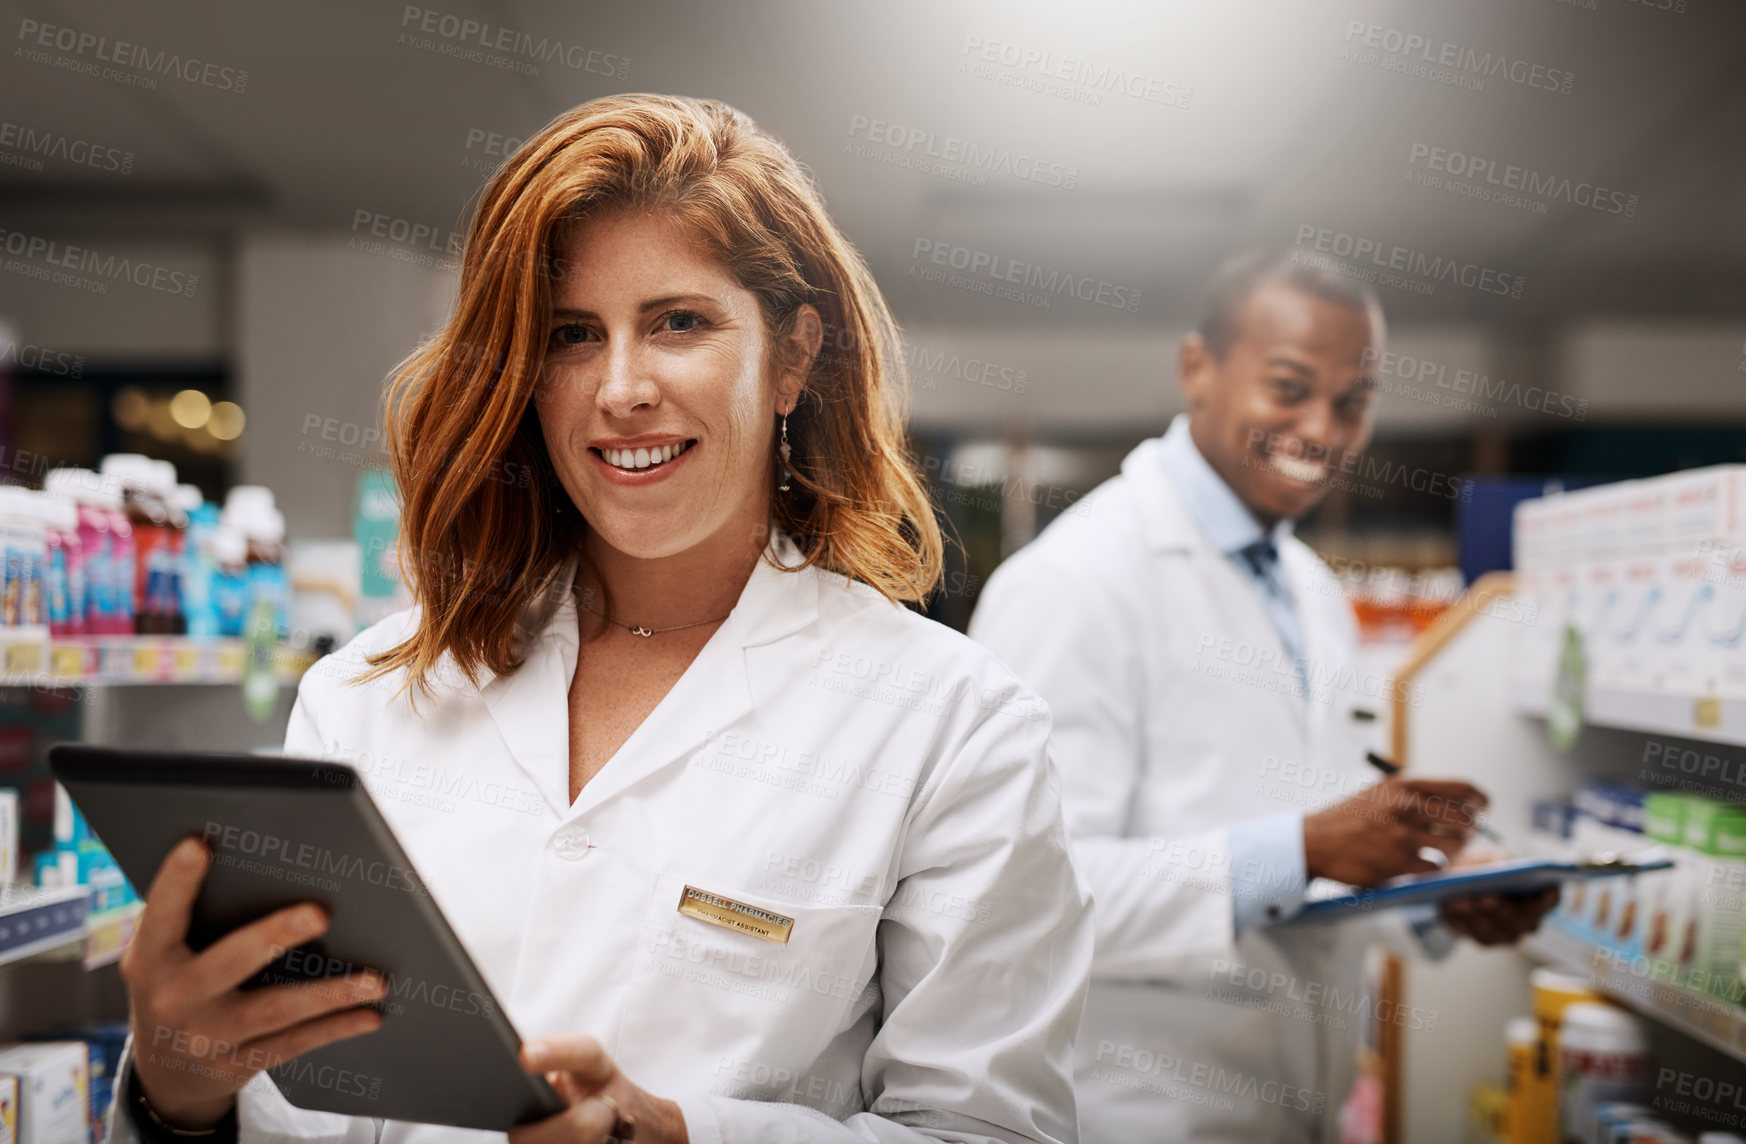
(640, 463)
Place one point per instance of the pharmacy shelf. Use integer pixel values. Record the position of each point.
(34, 921)
(58, 925)
(1714, 1021)
(1704, 718)
(122, 660)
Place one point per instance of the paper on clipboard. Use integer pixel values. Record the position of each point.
(1517, 876)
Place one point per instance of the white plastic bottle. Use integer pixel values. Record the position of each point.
(1603, 1057)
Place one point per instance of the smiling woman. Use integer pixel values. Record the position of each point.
(752, 258)
(797, 868)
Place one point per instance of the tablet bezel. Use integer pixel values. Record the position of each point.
(88, 769)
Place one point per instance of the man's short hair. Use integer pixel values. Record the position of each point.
(1238, 279)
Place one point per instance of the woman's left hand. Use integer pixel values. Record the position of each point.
(600, 1097)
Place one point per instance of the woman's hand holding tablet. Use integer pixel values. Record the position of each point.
(604, 1104)
(198, 1037)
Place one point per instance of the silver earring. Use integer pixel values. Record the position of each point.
(783, 451)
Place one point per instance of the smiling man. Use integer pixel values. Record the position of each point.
(1210, 726)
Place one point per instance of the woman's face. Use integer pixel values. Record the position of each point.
(659, 397)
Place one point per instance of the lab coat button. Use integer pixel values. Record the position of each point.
(572, 844)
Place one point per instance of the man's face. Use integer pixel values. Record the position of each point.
(1288, 403)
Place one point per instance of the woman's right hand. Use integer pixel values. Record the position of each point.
(197, 1037)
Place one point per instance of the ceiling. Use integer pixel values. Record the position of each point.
(355, 107)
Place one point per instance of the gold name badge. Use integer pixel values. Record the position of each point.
(725, 912)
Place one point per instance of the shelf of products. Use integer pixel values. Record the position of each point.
(1657, 951)
(1631, 597)
(138, 660)
(62, 927)
(1699, 1015)
(58, 923)
(34, 921)
(1705, 718)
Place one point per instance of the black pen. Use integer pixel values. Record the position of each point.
(1391, 768)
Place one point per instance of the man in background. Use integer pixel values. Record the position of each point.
(1200, 663)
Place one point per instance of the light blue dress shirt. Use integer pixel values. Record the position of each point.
(1230, 528)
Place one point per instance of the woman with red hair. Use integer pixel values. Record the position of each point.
(749, 850)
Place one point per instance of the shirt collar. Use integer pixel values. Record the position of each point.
(1223, 518)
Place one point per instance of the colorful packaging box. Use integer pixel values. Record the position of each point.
(1663, 825)
(53, 1098)
(1722, 922)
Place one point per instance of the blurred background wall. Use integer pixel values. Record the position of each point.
(296, 179)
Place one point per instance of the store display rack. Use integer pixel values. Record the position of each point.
(1705, 718)
(1713, 1020)
(121, 660)
(35, 921)
(1456, 711)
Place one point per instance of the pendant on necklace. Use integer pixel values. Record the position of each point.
(644, 632)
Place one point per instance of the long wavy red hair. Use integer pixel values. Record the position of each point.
(480, 537)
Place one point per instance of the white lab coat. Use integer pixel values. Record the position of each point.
(829, 756)
(1138, 635)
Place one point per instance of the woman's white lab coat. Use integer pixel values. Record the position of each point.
(828, 756)
(1174, 717)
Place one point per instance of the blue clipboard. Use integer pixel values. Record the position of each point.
(1518, 876)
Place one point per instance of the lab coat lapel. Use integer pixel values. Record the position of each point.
(718, 689)
(1328, 662)
(530, 706)
(1172, 535)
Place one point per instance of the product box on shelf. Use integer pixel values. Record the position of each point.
(1644, 526)
(8, 836)
(1702, 506)
(8, 1110)
(1696, 925)
(1681, 654)
(1664, 826)
(77, 858)
(1603, 521)
(1652, 575)
(1553, 822)
(1722, 919)
(1601, 593)
(1686, 892)
(104, 1042)
(1609, 821)
(1722, 629)
(53, 1105)
(1629, 642)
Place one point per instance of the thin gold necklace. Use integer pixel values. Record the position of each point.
(646, 632)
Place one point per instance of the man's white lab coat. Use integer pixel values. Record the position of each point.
(1177, 714)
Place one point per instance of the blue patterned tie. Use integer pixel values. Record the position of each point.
(1263, 557)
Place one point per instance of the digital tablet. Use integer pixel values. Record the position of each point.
(283, 831)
